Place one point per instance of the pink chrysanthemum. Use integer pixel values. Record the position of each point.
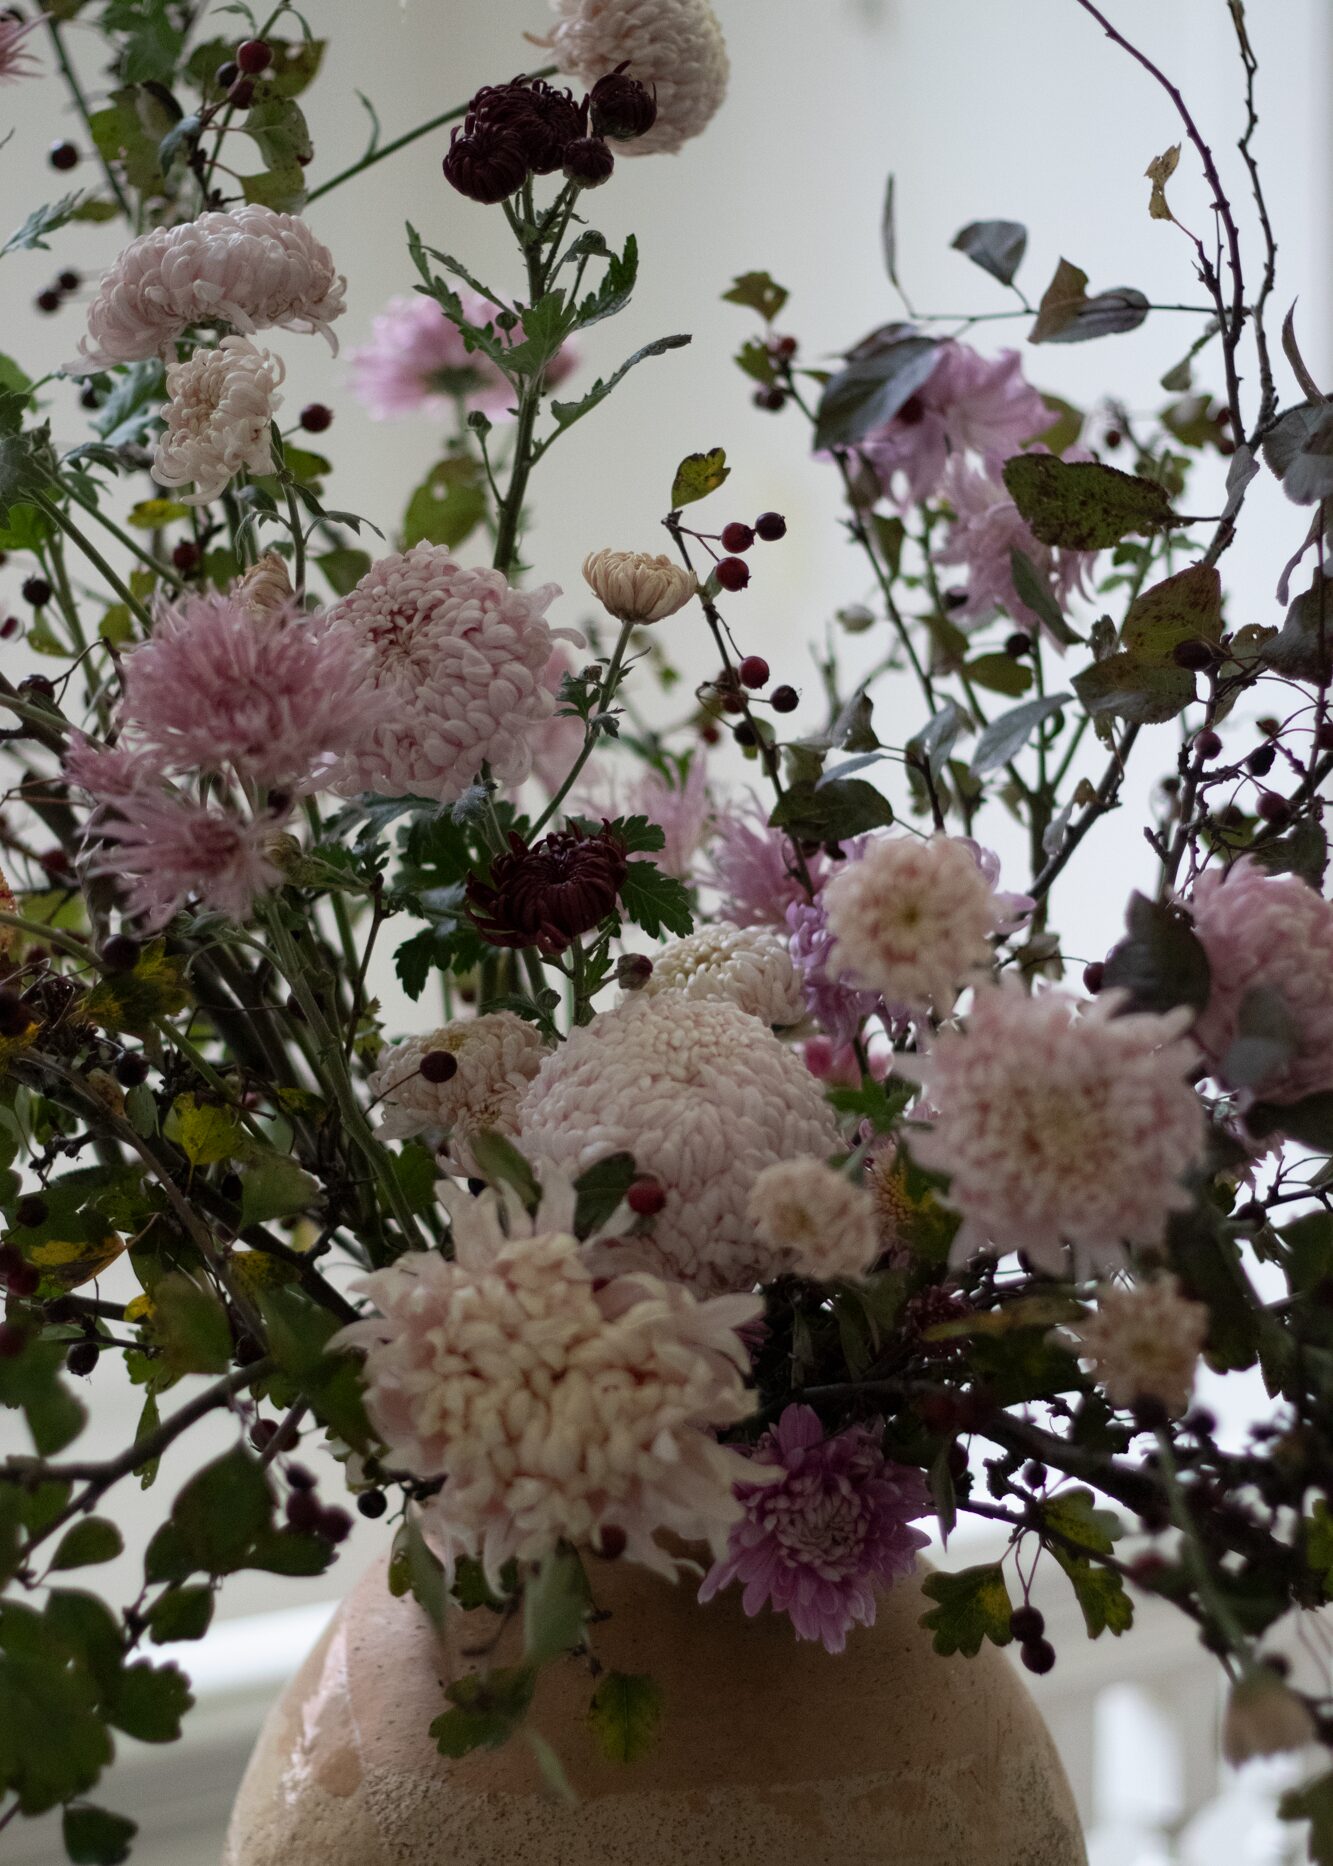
(1267, 933)
(274, 698)
(1063, 1127)
(839, 1008)
(753, 869)
(557, 1406)
(164, 850)
(16, 59)
(704, 1096)
(416, 362)
(835, 1529)
(680, 807)
(674, 47)
(251, 268)
(497, 1055)
(988, 528)
(219, 413)
(462, 658)
(110, 772)
(556, 742)
(968, 404)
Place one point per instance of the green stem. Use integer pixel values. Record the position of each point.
(298, 541)
(593, 733)
(94, 556)
(81, 104)
(155, 564)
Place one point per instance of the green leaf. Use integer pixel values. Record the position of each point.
(556, 1605)
(1302, 851)
(180, 1613)
(488, 1708)
(53, 1742)
(190, 1325)
(283, 189)
(653, 900)
(1006, 736)
(1081, 505)
(205, 1132)
(471, 1588)
(698, 475)
(1075, 1515)
(599, 1190)
(92, 1540)
(1309, 1121)
(274, 1186)
(758, 292)
(94, 1837)
(625, 1715)
(33, 232)
(133, 1001)
(617, 284)
(121, 135)
(500, 1161)
(1129, 687)
(997, 246)
(220, 1512)
(31, 1380)
(1161, 962)
(1314, 1803)
(299, 1332)
(1100, 1593)
(86, 1627)
(343, 569)
(1034, 592)
(448, 505)
(290, 1552)
(567, 413)
(974, 1605)
(149, 1702)
(1000, 673)
(279, 129)
(874, 386)
(831, 812)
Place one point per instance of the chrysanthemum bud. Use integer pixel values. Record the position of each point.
(633, 971)
(266, 585)
(588, 161)
(621, 107)
(636, 587)
(484, 166)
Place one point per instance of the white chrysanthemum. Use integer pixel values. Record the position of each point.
(463, 655)
(636, 587)
(705, 1097)
(912, 920)
(497, 1055)
(221, 404)
(675, 47)
(1061, 1124)
(252, 268)
(816, 1221)
(556, 1406)
(749, 966)
(1144, 1342)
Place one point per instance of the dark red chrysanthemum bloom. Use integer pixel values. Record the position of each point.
(621, 107)
(588, 161)
(547, 894)
(539, 118)
(485, 165)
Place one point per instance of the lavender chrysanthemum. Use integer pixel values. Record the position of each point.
(754, 870)
(836, 1006)
(968, 404)
(835, 1528)
(987, 530)
(164, 850)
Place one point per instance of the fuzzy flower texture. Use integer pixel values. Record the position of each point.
(417, 363)
(494, 1058)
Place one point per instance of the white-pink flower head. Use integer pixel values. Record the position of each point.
(968, 404)
(220, 407)
(1144, 1341)
(674, 47)
(704, 1096)
(1063, 1128)
(988, 528)
(816, 1222)
(497, 1055)
(274, 698)
(557, 1406)
(164, 850)
(16, 60)
(747, 966)
(462, 657)
(416, 362)
(1269, 934)
(251, 268)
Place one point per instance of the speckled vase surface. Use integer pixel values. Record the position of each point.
(769, 1750)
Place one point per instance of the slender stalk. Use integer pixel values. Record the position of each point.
(593, 733)
(81, 104)
(94, 556)
(155, 564)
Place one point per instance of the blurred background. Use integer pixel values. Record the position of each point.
(981, 108)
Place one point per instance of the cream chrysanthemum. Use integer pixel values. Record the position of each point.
(252, 268)
(265, 589)
(816, 1222)
(220, 408)
(557, 1406)
(748, 966)
(912, 920)
(497, 1054)
(1061, 1125)
(464, 657)
(1144, 1342)
(636, 587)
(675, 47)
(705, 1097)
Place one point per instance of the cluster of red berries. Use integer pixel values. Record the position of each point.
(304, 1511)
(56, 293)
(733, 573)
(771, 395)
(1028, 1627)
(237, 76)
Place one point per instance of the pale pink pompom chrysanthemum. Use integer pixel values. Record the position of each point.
(16, 59)
(1271, 936)
(747, 966)
(496, 1056)
(832, 1532)
(704, 1096)
(417, 363)
(251, 268)
(1066, 1130)
(816, 1222)
(674, 47)
(219, 412)
(987, 529)
(164, 850)
(754, 869)
(1144, 1341)
(556, 1405)
(968, 404)
(462, 658)
(273, 698)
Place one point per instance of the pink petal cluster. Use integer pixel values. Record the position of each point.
(839, 1008)
(747, 966)
(675, 47)
(220, 408)
(557, 1406)
(704, 1096)
(461, 658)
(417, 363)
(1272, 934)
(834, 1529)
(251, 268)
(987, 529)
(753, 868)
(682, 809)
(164, 850)
(1063, 1127)
(968, 404)
(16, 60)
(556, 742)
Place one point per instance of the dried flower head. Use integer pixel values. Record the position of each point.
(673, 47)
(1144, 1342)
(749, 966)
(265, 589)
(636, 587)
(497, 1056)
(546, 894)
(817, 1222)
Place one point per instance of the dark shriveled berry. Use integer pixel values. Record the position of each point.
(82, 1358)
(31, 1211)
(745, 735)
(14, 1014)
(37, 591)
(1261, 760)
(334, 1525)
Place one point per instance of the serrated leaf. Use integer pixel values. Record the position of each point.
(96, 1837)
(275, 1186)
(149, 1702)
(487, 1708)
(218, 1514)
(180, 1613)
(973, 1606)
(205, 1132)
(84, 1543)
(190, 1326)
(567, 413)
(997, 246)
(1006, 736)
(653, 900)
(133, 1001)
(625, 1715)
(1161, 962)
(1081, 505)
(1100, 1592)
(759, 292)
(698, 475)
(40, 222)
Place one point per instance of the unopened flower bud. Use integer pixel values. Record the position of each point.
(485, 167)
(636, 587)
(633, 970)
(588, 161)
(621, 107)
(266, 585)
(285, 853)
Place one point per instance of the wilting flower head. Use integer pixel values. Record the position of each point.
(911, 920)
(621, 107)
(673, 47)
(461, 656)
(1264, 1717)
(219, 411)
(1271, 935)
(496, 1056)
(547, 893)
(1144, 1342)
(748, 966)
(556, 1406)
(837, 1007)
(163, 849)
(834, 1529)
(704, 1096)
(274, 698)
(988, 528)
(417, 362)
(16, 60)
(1061, 1125)
(817, 1222)
(265, 589)
(968, 404)
(754, 869)
(251, 268)
(543, 121)
(636, 587)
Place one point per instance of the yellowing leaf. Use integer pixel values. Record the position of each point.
(1159, 172)
(133, 1001)
(698, 475)
(204, 1132)
(70, 1263)
(254, 1270)
(149, 514)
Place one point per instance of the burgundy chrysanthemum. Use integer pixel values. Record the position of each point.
(541, 119)
(546, 894)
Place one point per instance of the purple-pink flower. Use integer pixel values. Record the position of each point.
(163, 848)
(987, 529)
(16, 60)
(835, 1528)
(754, 869)
(417, 363)
(838, 1008)
(968, 404)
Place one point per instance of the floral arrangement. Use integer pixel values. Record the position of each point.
(769, 1180)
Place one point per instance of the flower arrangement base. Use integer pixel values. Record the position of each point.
(884, 1756)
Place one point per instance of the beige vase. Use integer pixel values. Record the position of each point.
(770, 1749)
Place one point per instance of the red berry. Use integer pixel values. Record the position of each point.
(186, 557)
(770, 398)
(783, 346)
(646, 1197)
(1093, 976)
(439, 1066)
(9, 628)
(770, 526)
(303, 1510)
(784, 699)
(737, 537)
(48, 301)
(262, 1433)
(254, 56)
(733, 573)
(316, 418)
(1207, 745)
(63, 156)
(754, 670)
(24, 1279)
(1273, 807)
(242, 93)
(335, 1525)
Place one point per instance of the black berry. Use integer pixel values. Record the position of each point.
(48, 301)
(334, 1525)
(745, 735)
(82, 1357)
(754, 671)
(299, 1478)
(1027, 1623)
(737, 537)
(1261, 760)
(372, 1503)
(23, 1279)
(63, 156)
(226, 75)
(1093, 976)
(733, 573)
(37, 591)
(1208, 744)
(316, 418)
(242, 93)
(1018, 645)
(303, 1510)
(262, 1433)
(784, 699)
(1194, 655)
(439, 1066)
(770, 526)
(254, 56)
(31, 1211)
(1038, 1655)
(121, 953)
(68, 281)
